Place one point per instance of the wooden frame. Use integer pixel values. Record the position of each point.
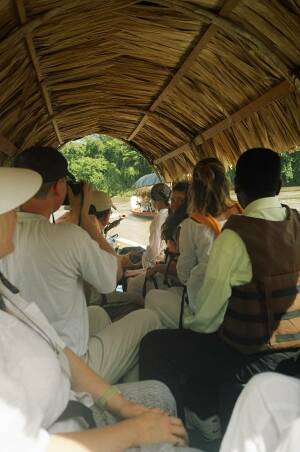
(38, 72)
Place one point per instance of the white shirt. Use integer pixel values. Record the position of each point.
(195, 243)
(35, 388)
(156, 245)
(49, 265)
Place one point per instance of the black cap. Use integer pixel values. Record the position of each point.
(47, 161)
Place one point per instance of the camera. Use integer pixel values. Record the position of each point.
(76, 187)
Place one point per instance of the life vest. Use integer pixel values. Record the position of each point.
(264, 314)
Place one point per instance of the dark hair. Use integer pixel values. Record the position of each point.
(210, 188)
(44, 190)
(160, 192)
(182, 186)
(169, 228)
(258, 172)
(102, 214)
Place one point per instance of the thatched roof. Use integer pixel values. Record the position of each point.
(179, 79)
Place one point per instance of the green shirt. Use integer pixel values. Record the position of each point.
(229, 265)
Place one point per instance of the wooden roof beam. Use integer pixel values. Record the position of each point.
(38, 72)
(185, 66)
(274, 94)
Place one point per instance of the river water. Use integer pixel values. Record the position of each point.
(136, 229)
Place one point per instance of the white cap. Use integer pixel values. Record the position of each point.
(102, 201)
(17, 185)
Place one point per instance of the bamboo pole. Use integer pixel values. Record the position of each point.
(38, 72)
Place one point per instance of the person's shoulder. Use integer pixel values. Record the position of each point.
(185, 223)
(69, 227)
(72, 231)
(199, 227)
(186, 226)
(228, 239)
(64, 235)
(163, 213)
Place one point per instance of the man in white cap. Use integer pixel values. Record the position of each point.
(101, 207)
(50, 263)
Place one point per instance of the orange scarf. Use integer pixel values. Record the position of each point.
(212, 222)
(236, 208)
(208, 220)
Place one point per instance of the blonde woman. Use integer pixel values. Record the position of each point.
(210, 206)
(47, 392)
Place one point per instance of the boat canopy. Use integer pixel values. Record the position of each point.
(178, 79)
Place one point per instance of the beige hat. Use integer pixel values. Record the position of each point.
(17, 185)
(102, 201)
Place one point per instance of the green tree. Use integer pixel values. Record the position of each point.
(107, 163)
(291, 168)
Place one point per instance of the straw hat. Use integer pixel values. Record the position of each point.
(17, 185)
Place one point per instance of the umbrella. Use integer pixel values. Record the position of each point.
(147, 180)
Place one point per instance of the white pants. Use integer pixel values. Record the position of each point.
(113, 347)
(166, 304)
(266, 417)
(98, 319)
(135, 285)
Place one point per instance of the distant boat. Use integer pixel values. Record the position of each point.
(143, 213)
(140, 203)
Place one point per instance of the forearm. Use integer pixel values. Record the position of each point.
(91, 226)
(115, 438)
(103, 243)
(105, 246)
(84, 379)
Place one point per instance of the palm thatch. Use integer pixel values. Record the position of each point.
(180, 79)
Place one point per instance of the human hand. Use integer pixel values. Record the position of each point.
(157, 268)
(159, 428)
